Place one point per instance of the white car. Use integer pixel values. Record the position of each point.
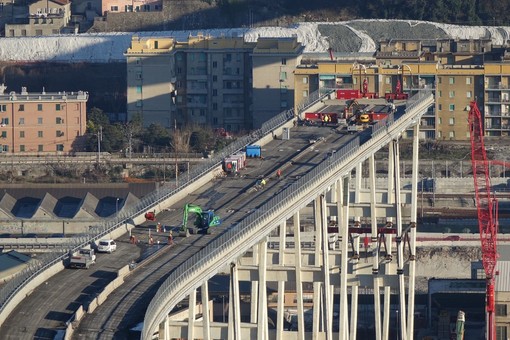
(106, 246)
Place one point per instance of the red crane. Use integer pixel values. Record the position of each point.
(487, 207)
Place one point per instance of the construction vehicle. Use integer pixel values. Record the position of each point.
(204, 220)
(487, 207)
(83, 258)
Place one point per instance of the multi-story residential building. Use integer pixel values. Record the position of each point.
(271, 95)
(221, 82)
(117, 6)
(458, 71)
(41, 122)
(43, 18)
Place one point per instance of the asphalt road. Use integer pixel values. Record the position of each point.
(232, 198)
(53, 303)
(48, 308)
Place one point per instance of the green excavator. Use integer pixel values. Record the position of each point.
(204, 220)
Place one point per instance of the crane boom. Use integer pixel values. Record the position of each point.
(487, 208)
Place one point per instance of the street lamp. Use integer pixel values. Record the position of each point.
(117, 206)
(398, 328)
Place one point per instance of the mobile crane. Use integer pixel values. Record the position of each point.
(487, 207)
(204, 220)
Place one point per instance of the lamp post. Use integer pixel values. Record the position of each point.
(398, 328)
(117, 206)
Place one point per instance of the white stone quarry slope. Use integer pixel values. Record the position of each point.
(342, 37)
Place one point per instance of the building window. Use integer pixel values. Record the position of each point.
(139, 89)
(4, 134)
(283, 104)
(468, 81)
(305, 94)
(22, 134)
(501, 310)
(22, 121)
(21, 107)
(214, 92)
(59, 120)
(39, 120)
(38, 33)
(439, 107)
(4, 121)
(22, 148)
(284, 61)
(469, 94)
(138, 75)
(228, 57)
(60, 147)
(57, 107)
(451, 134)
(214, 78)
(439, 93)
(3, 108)
(114, 8)
(451, 80)
(283, 75)
(452, 94)
(5, 148)
(59, 133)
(215, 106)
(39, 107)
(388, 80)
(451, 121)
(40, 134)
(40, 148)
(214, 64)
(439, 134)
(501, 333)
(439, 120)
(305, 80)
(139, 103)
(451, 107)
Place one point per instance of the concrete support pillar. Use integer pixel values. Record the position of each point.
(343, 225)
(318, 303)
(377, 308)
(254, 287)
(206, 312)
(280, 313)
(262, 329)
(234, 310)
(299, 280)
(373, 218)
(413, 231)
(400, 247)
(192, 313)
(328, 310)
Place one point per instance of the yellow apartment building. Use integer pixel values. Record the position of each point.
(41, 123)
(458, 71)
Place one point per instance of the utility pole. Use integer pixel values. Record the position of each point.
(175, 153)
(99, 139)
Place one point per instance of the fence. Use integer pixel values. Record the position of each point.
(249, 227)
(8, 291)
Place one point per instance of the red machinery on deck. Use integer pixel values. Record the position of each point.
(487, 207)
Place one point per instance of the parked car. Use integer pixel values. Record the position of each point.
(106, 246)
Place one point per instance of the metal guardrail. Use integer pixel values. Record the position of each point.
(9, 290)
(248, 226)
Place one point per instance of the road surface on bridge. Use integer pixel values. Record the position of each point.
(232, 198)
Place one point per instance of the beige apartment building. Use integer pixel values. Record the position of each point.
(41, 123)
(221, 82)
(458, 71)
(44, 17)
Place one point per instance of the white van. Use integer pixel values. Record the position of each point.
(106, 246)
